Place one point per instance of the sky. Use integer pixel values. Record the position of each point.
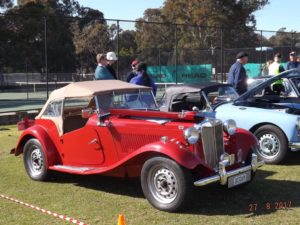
(278, 14)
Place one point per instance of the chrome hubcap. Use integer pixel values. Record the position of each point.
(269, 145)
(37, 162)
(163, 186)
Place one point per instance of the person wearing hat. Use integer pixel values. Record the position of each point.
(237, 76)
(275, 67)
(111, 59)
(293, 63)
(101, 72)
(132, 73)
(143, 78)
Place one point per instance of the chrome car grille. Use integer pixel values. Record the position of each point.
(212, 140)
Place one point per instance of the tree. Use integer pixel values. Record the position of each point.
(283, 38)
(24, 42)
(90, 36)
(202, 26)
(153, 35)
(90, 41)
(62, 7)
(235, 17)
(26, 23)
(128, 45)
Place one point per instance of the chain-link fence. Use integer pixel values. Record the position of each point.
(39, 54)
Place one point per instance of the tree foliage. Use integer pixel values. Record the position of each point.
(283, 38)
(234, 17)
(73, 33)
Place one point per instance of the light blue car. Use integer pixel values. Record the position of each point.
(276, 130)
(272, 119)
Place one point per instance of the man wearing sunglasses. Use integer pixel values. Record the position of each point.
(132, 73)
(293, 63)
(101, 72)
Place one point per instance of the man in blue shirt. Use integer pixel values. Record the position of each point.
(293, 63)
(102, 73)
(237, 76)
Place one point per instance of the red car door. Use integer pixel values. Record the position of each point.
(81, 147)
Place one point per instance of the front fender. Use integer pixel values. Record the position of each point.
(179, 153)
(242, 139)
(39, 133)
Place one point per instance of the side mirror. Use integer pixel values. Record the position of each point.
(86, 113)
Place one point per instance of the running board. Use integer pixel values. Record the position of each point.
(77, 169)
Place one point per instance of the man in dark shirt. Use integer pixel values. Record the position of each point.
(237, 76)
(293, 63)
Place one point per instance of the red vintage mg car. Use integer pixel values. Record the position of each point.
(115, 128)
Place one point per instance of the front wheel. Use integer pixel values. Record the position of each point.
(166, 185)
(34, 160)
(273, 145)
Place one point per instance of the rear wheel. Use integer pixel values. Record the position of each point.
(273, 145)
(34, 160)
(166, 185)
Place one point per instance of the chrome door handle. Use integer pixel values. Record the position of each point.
(94, 141)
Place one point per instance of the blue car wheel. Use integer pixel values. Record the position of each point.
(273, 146)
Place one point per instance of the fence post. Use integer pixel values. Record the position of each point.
(222, 62)
(260, 54)
(27, 86)
(176, 57)
(46, 56)
(159, 62)
(118, 50)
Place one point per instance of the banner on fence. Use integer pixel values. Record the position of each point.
(185, 73)
(255, 69)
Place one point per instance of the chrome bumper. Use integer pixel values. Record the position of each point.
(223, 175)
(294, 146)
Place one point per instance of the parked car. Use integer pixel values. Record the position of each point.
(275, 124)
(115, 128)
(282, 91)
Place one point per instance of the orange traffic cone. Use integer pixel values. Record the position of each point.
(121, 220)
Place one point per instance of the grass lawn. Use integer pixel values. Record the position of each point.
(99, 200)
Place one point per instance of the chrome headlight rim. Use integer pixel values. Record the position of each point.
(230, 127)
(191, 135)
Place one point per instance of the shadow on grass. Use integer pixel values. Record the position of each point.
(4, 129)
(123, 186)
(262, 196)
(293, 158)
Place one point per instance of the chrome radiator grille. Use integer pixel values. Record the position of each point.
(212, 140)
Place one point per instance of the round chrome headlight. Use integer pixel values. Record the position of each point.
(230, 127)
(191, 135)
(298, 123)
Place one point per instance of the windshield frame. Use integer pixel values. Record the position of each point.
(124, 95)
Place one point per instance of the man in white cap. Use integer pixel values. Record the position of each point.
(111, 59)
